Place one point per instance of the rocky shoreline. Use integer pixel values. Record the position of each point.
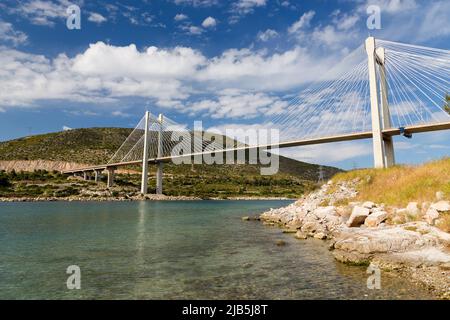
(150, 197)
(405, 241)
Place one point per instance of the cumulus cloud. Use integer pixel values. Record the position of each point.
(96, 18)
(194, 30)
(105, 73)
(262, 71)
(236, 103)
(267, 35)
(209, 22)
(180, 17)
(102, 73)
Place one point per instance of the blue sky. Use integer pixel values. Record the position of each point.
(223, 62)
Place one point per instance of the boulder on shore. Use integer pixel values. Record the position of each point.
(431, 216)
(441, 206)
(358, 216)
(375, 219)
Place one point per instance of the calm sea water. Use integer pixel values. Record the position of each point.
(170, 250)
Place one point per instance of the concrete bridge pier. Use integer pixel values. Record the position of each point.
(97, 174)
(111, 172)
(159, 178)
(159, 168)
(144, 180)
(85, 175)
(388, 143)
(383, 147)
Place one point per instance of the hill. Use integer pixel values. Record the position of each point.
(98, 145)
(402, 184)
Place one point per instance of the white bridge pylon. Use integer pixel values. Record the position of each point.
(382, 89)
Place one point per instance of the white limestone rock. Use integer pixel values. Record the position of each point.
(441, 206)
(431, 215)
(375, 219)
(358, 216)
(368, 204)
(412, 209)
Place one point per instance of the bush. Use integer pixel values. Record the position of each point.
(4, 182)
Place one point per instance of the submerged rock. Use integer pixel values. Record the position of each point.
(301, 235)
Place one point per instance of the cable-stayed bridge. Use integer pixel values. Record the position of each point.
(380, 90)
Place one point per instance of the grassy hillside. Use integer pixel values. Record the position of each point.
(97, 145)
(402, 184)
(92, 145)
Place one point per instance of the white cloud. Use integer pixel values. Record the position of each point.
(247, 6)
(195, 30)
(393, 6)
(303, 22)
(103, 73)
(235, 103)
(197, 3)
(243, 7)
(434, 23)
(43, 12)
(267, 35)
(180, 17)
(339, 34)
(209, 22)
(344, 21)
(120, 114)
(101, 59)
(96, 18)
(10, 35)
(260, 71)
(322, 153)
(66, 128)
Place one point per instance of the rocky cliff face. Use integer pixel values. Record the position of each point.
(404, 239)
(31, 165)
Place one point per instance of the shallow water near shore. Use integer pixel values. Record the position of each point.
(171, 250)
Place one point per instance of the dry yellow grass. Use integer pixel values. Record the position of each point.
(399, 185)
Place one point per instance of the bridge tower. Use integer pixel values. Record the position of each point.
(144, 182)
(383, 147)
(159, 165)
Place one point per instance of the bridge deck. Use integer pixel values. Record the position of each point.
(288, 144)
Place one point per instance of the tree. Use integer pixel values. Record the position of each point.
(447, 103)
(4, 182)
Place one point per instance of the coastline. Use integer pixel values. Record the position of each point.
(363, 234)
(151, 197)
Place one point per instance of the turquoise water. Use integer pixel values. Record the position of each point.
(170, 250)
